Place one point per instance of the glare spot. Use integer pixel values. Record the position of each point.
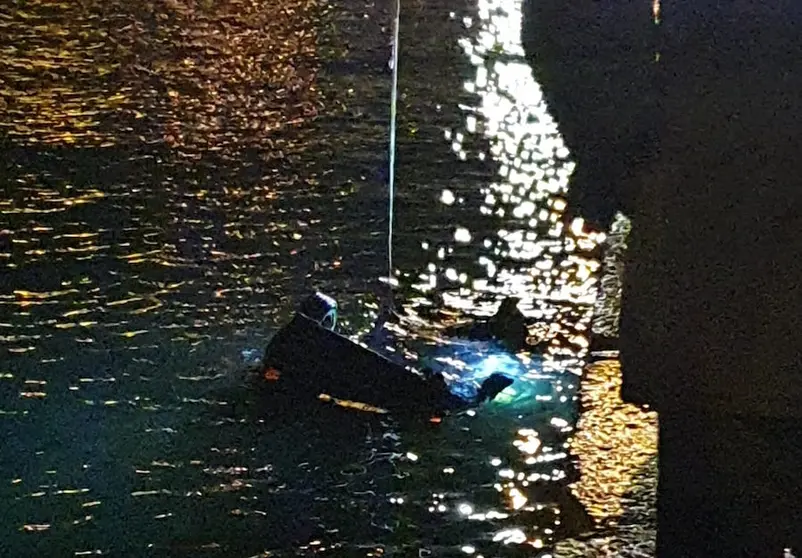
(470, 124)
(518, 500)
(462, 235)
(510, 536)
(524, 209)
(447, 197)
(530, 444)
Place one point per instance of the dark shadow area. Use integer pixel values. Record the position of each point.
(593, 62)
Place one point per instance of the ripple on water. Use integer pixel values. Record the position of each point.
(191, 74)
(177, 174)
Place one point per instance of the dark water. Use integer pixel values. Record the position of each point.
(175, 176)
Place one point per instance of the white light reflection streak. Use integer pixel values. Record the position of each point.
(532, 254)
(532, 257)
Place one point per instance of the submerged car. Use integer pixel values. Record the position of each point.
(307, 358)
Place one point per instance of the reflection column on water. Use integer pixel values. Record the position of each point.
(530, 253)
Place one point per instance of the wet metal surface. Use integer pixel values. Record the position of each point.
(177, 174)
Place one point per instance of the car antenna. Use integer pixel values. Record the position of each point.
(391, 280)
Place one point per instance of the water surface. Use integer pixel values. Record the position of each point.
(176, 175)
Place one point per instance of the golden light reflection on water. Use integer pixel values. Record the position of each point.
(111, 252)
(205, 74)
(103, 249)
(615, 443)
(122, 263)
(229, 73)
(56, 70)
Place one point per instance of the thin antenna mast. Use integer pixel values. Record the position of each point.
(391, 182)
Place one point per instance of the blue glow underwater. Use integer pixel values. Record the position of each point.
(465, 364)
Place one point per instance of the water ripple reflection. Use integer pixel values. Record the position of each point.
(176, 174)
